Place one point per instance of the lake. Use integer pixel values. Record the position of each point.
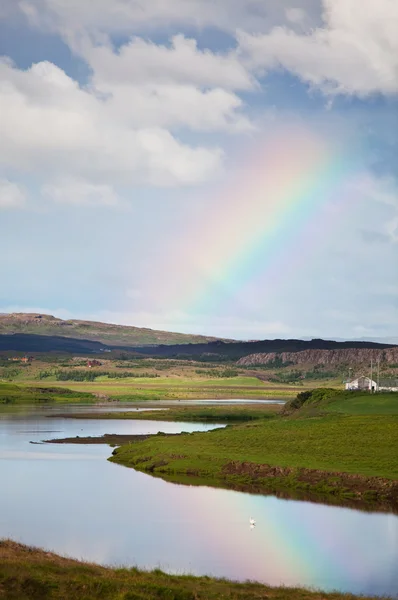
(70, 499)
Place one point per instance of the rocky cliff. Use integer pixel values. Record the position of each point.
(349, 356)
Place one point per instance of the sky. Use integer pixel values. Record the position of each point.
(227, 168)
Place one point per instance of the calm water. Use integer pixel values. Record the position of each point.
(70, 499)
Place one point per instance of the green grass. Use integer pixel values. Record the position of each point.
(173, 388)
(202, 414)
(32, 574)
(325, 400)
(11, 395)
(352, 444)
(319, 442)
(386, 404)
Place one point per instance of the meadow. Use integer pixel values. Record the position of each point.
(153, 379)
(324, 450)
(32, 574)
(11, 395)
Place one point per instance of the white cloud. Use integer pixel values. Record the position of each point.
(12, 195)
(50, 124)
(354, 52)
(147, 85)
(79, 193)
(141, 61)
(175, 106)
(127, 15)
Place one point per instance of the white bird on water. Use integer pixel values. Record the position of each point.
(252, 521)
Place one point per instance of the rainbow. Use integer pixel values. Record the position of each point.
(264, 224)
(293, 543)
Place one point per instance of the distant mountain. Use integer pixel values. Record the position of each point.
(256, 352)
(113, 335)
(235, 350)
(28, 342)
(45, 333)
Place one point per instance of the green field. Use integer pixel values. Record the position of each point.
(171, 388)
(362, 444)
(11, 395)
(353, 403)
(153, 379)
(32, 574)
(195, 413)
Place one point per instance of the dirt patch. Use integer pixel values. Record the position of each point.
(360, 486)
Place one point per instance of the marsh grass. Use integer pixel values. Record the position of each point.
(32, 574)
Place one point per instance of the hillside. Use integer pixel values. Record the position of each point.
(341, 356)
(112, 335)
(222, 350)
(30, 332)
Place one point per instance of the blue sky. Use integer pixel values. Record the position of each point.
(128, 133)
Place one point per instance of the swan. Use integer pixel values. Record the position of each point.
(252, 521)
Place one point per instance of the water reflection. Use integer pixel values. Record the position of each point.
(72, 500)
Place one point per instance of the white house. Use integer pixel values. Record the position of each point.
(361, 383)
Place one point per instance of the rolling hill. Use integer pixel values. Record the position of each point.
(106, 333)
(45, 333)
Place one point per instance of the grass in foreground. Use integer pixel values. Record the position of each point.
(32, 574)
(324, 453)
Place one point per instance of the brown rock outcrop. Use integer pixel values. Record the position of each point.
(350, 356)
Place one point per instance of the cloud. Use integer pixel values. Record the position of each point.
(354, 52)
(12, 195)
(294, 15)
(126, 15)
(50, 124)
(172, 86)
(142, 61)
(80, 193)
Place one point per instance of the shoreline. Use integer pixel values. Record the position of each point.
(325, 487)
(30, 572)
(112, 439)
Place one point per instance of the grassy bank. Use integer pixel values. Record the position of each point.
(315, 448)
(201, 414)
(32, 574)
(11, 395)
(329, 401)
